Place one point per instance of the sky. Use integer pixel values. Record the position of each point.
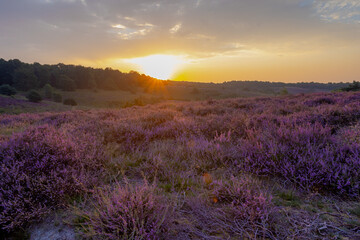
(190, 40)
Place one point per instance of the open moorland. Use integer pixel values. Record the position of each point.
(284, 167)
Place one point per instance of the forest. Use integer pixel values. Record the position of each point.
(25, 76)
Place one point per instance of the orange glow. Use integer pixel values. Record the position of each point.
(159, 66)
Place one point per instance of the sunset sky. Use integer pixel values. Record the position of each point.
(190, 40)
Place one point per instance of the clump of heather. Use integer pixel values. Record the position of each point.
(244, 201)
(236, 209)
(127, 212)
(40, 169)
(320, 101)
(307, 154)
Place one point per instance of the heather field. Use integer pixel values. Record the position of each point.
(247, 168)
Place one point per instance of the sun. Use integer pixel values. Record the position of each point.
(159, 66)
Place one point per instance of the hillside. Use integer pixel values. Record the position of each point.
(95, 87)
(261, 168)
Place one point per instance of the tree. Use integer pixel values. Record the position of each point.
(42, 73)
(6, 72)
(34, 96)
(24, 79)
(355, 86)
(91, 82)
(48, 91)
(109, 84)
(7, 90)
(67, 84)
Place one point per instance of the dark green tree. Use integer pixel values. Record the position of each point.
(24, 79)
(355, 86)
(48, 90)
(67, 84)
(34, 96)
(91, 82)
(7, 90)
(42, 73)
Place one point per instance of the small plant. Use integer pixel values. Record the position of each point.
(127, 212)
(245, 201)
(284, 92)
(34, 96)
(70, 102)
(7, 90)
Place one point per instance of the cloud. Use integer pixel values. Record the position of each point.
(347, 11)
(90, 29)
(175, 28)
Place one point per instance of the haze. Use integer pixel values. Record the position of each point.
(190, 40)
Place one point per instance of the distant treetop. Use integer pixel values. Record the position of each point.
(24, 76)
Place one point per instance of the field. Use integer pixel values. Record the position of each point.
(285, 167)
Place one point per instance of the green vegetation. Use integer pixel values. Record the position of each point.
(77, 81)
(70, 102)
(48, 90)
(34, 96)
(355, 86)
(67, 84)
(284, 92)
(7, 90)
(57, 97)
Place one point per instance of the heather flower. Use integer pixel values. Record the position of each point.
(127, 212)
(244, 200)
(40, 169)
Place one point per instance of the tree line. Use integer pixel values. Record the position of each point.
(251, 85)
(24, 77)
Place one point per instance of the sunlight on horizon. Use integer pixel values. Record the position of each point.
(159, 66)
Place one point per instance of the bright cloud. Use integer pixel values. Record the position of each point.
(347, 11)
(175, 28)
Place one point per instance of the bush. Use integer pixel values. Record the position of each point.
(284, 92)
(48, 91)
(246, 203)
(40, 169)
(7, 90)
(70, 102)
(127, 213)
(34, 96)
(355, 86)
(57, 97)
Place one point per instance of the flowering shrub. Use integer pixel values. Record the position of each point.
(127, 212)
(40, 168)
(308, 155)
(245, 202)
(309, 140)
